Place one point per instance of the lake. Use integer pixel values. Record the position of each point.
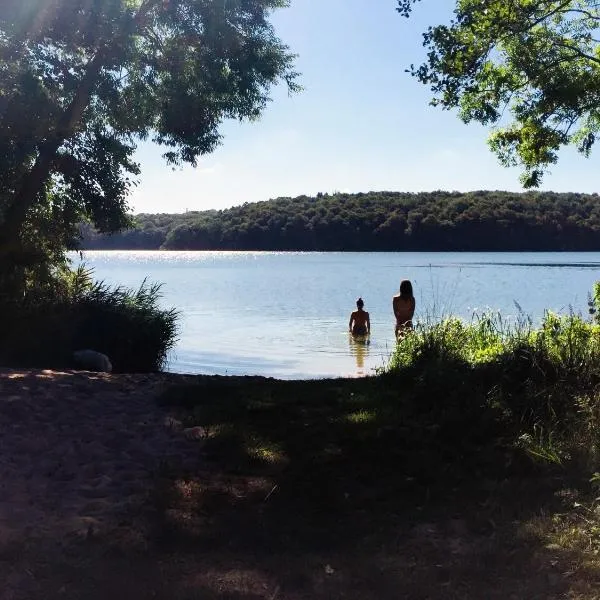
(285, 314)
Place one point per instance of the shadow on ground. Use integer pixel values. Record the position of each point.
(332, 489)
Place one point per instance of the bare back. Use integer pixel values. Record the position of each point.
(404, 309)
(359, 322)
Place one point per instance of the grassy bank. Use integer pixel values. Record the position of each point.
(539, 384)
(472, 460)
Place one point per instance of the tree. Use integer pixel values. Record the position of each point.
(82, 82)
(538, 60)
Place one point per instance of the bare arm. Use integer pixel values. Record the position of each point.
(350, 322)
(368, 324)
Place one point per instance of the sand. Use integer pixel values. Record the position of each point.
(79, 451)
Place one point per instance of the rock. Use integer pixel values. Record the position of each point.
(92, 360)
(194, 433)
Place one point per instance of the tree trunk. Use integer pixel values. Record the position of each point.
(33, 183)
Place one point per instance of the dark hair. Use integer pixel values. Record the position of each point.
(360, 303)
(406, 288)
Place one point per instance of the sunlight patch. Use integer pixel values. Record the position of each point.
(361, 416)
(270, 455)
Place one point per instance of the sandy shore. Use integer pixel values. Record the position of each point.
(79, 450)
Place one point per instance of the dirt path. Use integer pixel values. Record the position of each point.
(78, 450)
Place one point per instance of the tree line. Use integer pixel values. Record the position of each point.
(375, 221)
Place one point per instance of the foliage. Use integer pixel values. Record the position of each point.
(545, 382)
(81, 83)
(375, 221)
(537, 59)
(594, 302)
(128, 326)
(452, 340)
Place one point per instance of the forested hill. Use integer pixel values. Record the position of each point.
(442, 221)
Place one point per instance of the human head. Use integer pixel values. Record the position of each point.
(406, 288)
(359, 303)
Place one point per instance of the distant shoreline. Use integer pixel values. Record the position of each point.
(171, 250)
(485, 221)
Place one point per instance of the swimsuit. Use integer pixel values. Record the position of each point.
(359, 330)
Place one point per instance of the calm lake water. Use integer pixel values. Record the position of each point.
(286, 314)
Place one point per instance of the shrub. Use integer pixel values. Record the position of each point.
(542, 382)
(451, 340)
(129, 326)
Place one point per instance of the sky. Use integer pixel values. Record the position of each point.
(361, 123)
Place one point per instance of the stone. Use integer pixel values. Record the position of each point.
(194, 433)
(92, 360)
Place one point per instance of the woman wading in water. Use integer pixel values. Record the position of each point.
(359, 320)
(404, 308)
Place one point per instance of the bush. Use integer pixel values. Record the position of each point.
(128, 326)
(543, 383)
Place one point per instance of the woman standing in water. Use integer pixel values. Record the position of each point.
(359, 320)
(404, 308)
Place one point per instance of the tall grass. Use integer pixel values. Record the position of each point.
(543, 382)
(127, 325)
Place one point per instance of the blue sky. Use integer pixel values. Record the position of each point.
(361, 124)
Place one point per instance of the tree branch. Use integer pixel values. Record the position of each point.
(578, 52)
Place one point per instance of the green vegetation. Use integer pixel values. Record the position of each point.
(539, 385)
(537, 60)
(473, 458)
(376, 221)
(128, 326)
(81, 84)
(77, 95)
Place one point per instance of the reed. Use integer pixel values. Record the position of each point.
(542, 382)
(129, 326)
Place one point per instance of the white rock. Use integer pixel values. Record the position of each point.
(92, 360)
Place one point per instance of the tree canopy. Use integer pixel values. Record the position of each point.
(81, 83)
(375, 221)
(537, 60)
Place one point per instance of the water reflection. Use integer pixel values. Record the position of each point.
(359, 348)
